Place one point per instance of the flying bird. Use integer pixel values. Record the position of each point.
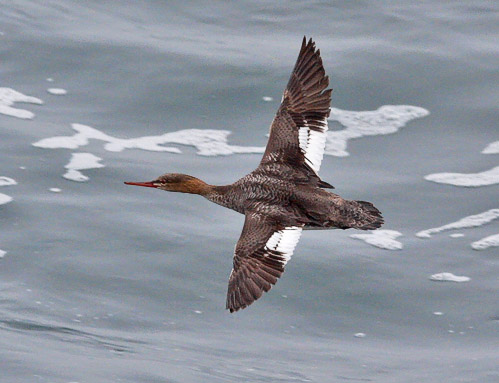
(284, 194)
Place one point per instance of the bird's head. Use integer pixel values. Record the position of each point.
(175, 182)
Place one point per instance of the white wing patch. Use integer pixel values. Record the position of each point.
(312, 144)
(284, 241)
(303, 137)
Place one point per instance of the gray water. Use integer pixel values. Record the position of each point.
(108, 283)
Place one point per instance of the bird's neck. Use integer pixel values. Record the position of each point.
(226, 196)
(193, 186)
(221, 195)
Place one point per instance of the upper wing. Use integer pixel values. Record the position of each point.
(298, 132)
(260, 255)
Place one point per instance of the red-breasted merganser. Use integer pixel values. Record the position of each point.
(284, 195)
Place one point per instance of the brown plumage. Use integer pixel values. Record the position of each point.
(284, 194)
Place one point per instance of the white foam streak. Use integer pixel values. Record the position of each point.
(492, 148)
(359, 335)
(387, 119)
(4, 198)
(384, 239)
(466, 222)
(208, 142)
(2, 253)
(6, 181)
(57, 91)
(10, 96)
(485, 243)
(449, 277)
(488, 177)
(81, 161)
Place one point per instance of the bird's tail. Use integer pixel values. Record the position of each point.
(367, 217)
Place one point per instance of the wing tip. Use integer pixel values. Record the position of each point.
(232, 308)
(309, 70)
(310, 43)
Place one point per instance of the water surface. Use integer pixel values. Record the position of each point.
(104, 283)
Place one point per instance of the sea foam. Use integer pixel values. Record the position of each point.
(6, 181)
(466, 222)
(4, 198)
(492, 148)
(485, 243)
(10, 96)
(449, 277)
(485, 178)
(384, 239)
(488, 177)
(57, 91)
(81, 161)
(2, 253)
(359, 335)
(208, 142)
(387, 119)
